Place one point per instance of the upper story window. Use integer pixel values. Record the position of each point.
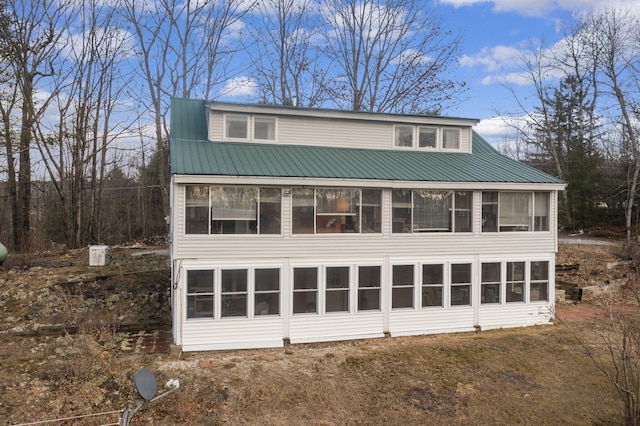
(515, 211)
(247, 127)
(236, 127)
(343, 210)
(232, 210)
(431, 211)
(426, 137)
(451, 138)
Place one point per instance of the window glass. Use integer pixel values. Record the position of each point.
(270, 210)
(490, 287)
(303, 210)
(515, 211)
(541, 216)
(489, 212)
(337, 210)
(371, 211)
(451, 138)
(197, 209)
(234, 210)
(515, 282)
(463, 214)
(432, 211)
(337, 289)
(402, 287)
(369, 288)
(264, 128)
(427, 137)
(461, 284)
(432, 285)
(539, 286)
(305, 290)
(200, 294)
(236, 126)
(267, 291)
(404, 136)
(234, 293)
(401, 206)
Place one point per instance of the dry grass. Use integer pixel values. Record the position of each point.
(528, 376)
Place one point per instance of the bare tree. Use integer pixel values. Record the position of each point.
(30, 48)
(615, 44)
(183, 50)
(390, 55)
(287, 66)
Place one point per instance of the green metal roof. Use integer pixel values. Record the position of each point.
(193, 154)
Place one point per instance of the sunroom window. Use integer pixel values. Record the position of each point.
(515, 211)
(431, 211)
(539, 285)
(402, 287)
(460, 284)
(233, 210)
(200, 294)
(335, 211)
(369, 288)
(515, 281)
(491, 282)
(432, 285)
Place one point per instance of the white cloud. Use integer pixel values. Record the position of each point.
(545, 7)
(494, 59)
(239, 87)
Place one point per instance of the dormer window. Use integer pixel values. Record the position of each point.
(248, 127)
(426, 137)
(451, 138)
(404, 136)
(264, 128)
(236, 127)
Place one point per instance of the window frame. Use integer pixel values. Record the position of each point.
(361, 290)
(403, 287)
(255, 118)
(538, 218)
(455, 130)
(310, 217)
(403, 223)
(432, 285)
(467, 300)
(263, 225)
(227, 118)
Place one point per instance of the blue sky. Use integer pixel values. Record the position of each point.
(496, 33)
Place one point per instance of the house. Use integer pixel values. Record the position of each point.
(303, 225)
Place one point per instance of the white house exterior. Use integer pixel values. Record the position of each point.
(302, 225)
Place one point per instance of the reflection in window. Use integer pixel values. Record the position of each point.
(305, 290)
(401, 207)
(432, 285)
(541, 208)
(233, 210)
(404, 136)
(539, 285)
(264, 128)
(303, 210)
(369, 288)
(371, 211)
(427, 137)
(515, 282)
(489, 212)
(515, 211)
(270, 211)
(490, 286)
(267, 291)
(236, 126)
(402, 287)
(200, 294)
(432, 211)
(234, 293)
(451, 138)
(461, 284)
(197, 209)
(337, 289)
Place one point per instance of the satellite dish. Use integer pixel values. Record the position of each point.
(145, 383)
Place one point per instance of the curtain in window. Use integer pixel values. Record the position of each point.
(432, 210)
(230, 203)
(515, 209)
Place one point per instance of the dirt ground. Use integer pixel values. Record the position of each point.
(73, 336)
